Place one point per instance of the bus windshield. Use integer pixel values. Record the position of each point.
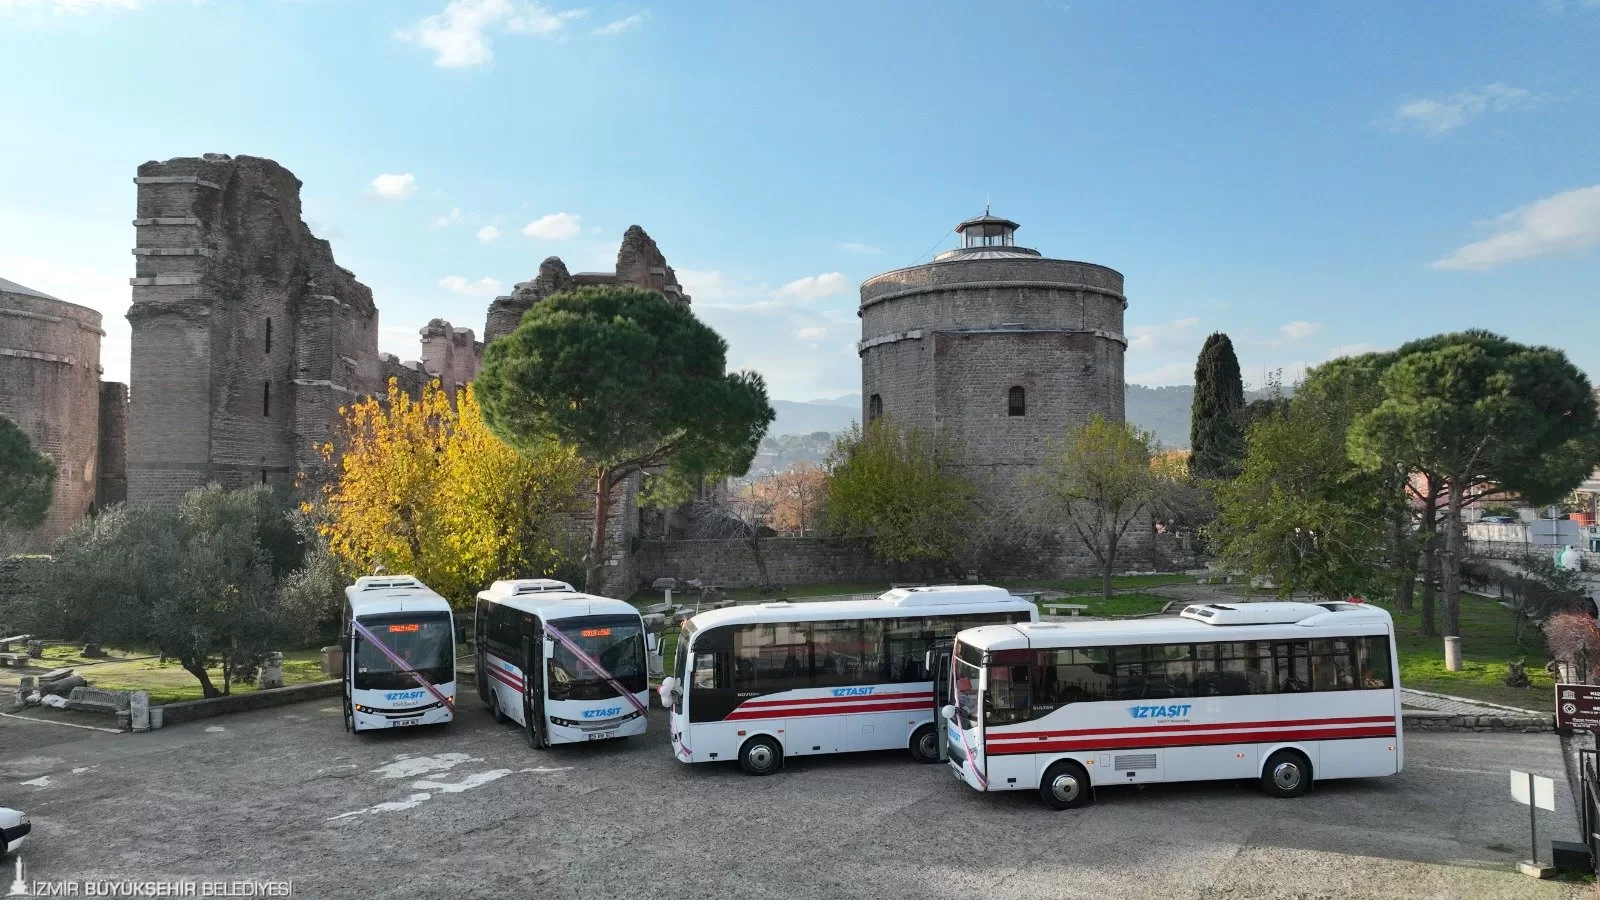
(424, 641)
(969, 664)
(615, 642)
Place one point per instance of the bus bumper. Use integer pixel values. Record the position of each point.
(373, 721)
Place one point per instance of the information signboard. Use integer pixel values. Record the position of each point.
(1578, 707)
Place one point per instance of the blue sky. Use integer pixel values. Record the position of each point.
(1310, 178)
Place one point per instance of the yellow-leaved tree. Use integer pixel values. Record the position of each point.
(423, 487)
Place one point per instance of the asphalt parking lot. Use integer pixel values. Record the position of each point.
(470, 811)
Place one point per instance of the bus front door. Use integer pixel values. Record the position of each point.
(533, 667)
(939, 669)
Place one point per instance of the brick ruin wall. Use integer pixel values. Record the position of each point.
(247, 335)
(50, 387)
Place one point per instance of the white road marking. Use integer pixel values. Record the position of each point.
(542, 769)
(215, 729)
(390, 806)
(465, 784)
(41, 781)
(407, 766)
(81, 769)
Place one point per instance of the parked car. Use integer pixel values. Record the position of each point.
(14, 826)
(1499, 520)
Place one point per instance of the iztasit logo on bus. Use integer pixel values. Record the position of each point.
(404, 695)
(601, 713)
(1160, 712)
(852, 691)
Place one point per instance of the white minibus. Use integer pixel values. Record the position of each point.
(1283, 693)
(763, 682)
(566, 667)
(399, 654)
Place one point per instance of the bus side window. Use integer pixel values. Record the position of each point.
(1332, 664)
(705, 671)
(1373, 662)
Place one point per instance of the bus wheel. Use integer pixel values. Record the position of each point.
(925, 744)
(349, 716)
(1286, 774)
(1066, 786)
(494, 707)
(760, 756)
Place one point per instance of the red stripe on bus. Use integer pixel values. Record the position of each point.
(504, 678)
(844, 709)
(1190, 740)
(1285, 723)
(845, 698)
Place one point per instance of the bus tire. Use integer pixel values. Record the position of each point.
(533, 715)
(925, 744)
(1286, 774)
(1066, 785)
(349, 716)
(482, 673)
(760, 755)
(494, 707)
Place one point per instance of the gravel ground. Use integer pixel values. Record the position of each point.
(469, 810)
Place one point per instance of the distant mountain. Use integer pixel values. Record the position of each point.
(1163, 411)
(815, 415)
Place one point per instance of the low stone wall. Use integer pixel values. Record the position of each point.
(190, 710)
(790, 560)
(1511, 722)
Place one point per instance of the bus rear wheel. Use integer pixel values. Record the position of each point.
(760, 756)
(925, 744)
(1066, 786)
(494, 707)
(1286, 774)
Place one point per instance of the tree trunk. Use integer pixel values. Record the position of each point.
(595, 577)
(1451, 567)
(1405, 566)
(1110, 566)
(1430, 558)
(198, 670)
(761, 562)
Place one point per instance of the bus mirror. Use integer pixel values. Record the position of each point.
(549, 649)
(947, 712)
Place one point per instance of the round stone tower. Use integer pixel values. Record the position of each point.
(995, 345)
(50, 386)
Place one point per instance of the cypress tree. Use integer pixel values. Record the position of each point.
(1216, 426)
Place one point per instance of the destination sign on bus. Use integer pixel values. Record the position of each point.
(596, 632)
(404, 628)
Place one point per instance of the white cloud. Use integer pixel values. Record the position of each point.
(448, 219)
(854, 247)
(488, 234)
(761, 306)
(554, 227)
(1148, 338)
(68, 6)
(1442, 115)
(1300, 330)
(483, 287)
(1561, 224)
(705, 285)
(813, 333)
(459, 36)
(394, 187)
(619, 26)
(812, 287)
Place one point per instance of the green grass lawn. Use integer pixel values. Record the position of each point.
(168, 683)
(1486, 648)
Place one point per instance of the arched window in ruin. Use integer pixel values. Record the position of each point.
(266, 398)
(874, 407)
(1017, 402)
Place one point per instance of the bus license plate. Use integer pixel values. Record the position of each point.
(602, 735)
(400, 722)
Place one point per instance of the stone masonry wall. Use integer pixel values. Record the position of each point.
(790, 561)
(452, 355)
(113, 486)
(50, 387)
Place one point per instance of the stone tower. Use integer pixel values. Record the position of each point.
(50, 386)
(996, 345)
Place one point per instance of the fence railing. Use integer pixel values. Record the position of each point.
(1589, 802)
